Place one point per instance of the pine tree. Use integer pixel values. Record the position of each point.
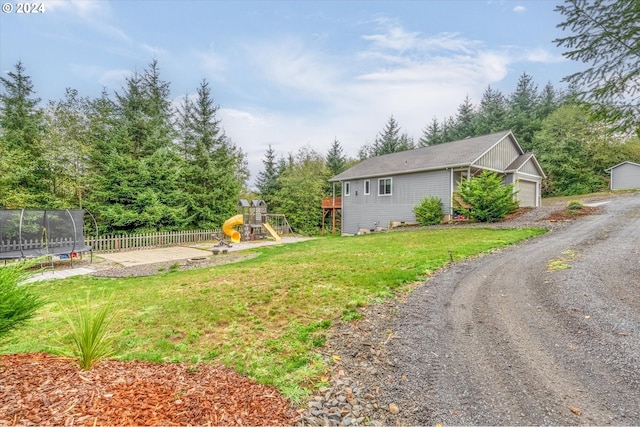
(390, 140)
(465, 120)
(211, 177)
(336, 161)
(606, 37)
(25, 180)
(432, 134)
(492, 113)
(267, 181)
(523, 106)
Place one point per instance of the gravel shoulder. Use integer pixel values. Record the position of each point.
(543, 332)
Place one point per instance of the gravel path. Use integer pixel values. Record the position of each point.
(544, 332)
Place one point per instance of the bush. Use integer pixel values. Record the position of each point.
(429, 211)
(17, 303)
(486, 198)
(575, 205)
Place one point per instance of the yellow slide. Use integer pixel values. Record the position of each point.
(227, 227)
(272, 231)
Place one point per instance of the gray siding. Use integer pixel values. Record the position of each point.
(625, 176)
(529, 168)
(500, 156)
(371, 211)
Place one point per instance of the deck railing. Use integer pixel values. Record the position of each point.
(331, 202)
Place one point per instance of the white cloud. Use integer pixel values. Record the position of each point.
(213, 64)
(519, 9)
(412, 76)
(114, 79)
(541, 55)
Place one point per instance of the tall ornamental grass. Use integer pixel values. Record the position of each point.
(17, 303)
(90, 334)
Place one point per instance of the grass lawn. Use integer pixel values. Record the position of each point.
(262, 317)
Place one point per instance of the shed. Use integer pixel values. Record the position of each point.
(625, 175)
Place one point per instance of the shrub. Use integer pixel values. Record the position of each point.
(575, 205)
(17, 303)
(90, 335)
(487, 198)
(429, 211)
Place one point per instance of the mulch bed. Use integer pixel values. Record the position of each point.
(567, 214)
(41, 389)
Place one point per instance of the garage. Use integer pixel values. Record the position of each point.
(527, 193)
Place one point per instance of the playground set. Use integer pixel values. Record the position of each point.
(255, 223)
(42, 233)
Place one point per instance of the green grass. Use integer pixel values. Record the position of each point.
(264, 316)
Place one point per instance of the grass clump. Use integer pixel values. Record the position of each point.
(89, 333)
(575, 205)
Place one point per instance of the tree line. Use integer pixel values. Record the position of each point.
(131, 158)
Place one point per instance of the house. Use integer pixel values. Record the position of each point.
(385, 189)
(624, 175)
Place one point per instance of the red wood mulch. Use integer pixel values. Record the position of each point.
(40, 389)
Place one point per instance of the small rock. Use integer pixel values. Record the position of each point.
(393, 408)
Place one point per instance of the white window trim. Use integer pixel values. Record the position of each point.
(347, 188)
(390, 187)
(367, 187)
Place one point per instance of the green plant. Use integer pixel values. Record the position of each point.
(90, 335)
(575, 205)
(485, 198)
(17, 303)
(429, 211)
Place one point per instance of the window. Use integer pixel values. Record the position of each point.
(384, 187)
(367, 187)
(347, 188)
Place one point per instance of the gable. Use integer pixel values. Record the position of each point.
(501, 155)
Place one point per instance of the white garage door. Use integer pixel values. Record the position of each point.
(527, 193)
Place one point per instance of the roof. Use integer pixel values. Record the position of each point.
(451, 154)
(620, 164)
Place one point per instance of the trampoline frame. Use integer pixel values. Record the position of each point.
(73, 242)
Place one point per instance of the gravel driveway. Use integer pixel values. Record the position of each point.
(544, 332)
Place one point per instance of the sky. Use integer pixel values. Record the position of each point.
(292, 74)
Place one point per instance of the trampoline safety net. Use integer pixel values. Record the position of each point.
(29, 233)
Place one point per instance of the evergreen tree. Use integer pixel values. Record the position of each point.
(25, 180)
(211, 178)
(432, 134)
(523, 119)
(492, 113)
(136, 158)
(606, 37)
(336, 161)
(267, 180)
(388, 141)
(465, 120)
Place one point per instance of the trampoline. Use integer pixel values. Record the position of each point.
(26, 233)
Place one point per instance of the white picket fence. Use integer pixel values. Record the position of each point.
(150, 240)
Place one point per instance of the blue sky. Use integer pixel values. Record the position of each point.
(293, 73)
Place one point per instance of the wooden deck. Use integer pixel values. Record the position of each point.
(332, 203)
